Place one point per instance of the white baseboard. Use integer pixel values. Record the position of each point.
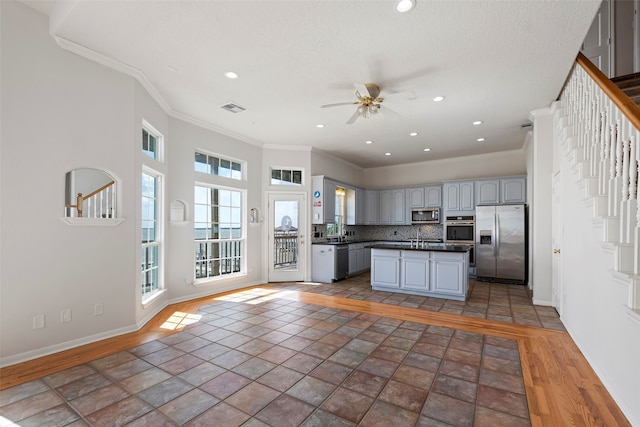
(629, 409)
(45, 351)
(56, 348)
(542, 302)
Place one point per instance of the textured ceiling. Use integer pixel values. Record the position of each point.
(494, 61)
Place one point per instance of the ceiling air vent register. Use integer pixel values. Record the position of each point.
(233, 107)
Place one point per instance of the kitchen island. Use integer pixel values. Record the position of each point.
(440, 272)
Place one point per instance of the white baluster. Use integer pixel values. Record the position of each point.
(633, 169)
(625, 170)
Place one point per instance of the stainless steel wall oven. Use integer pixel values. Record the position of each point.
(461, 231)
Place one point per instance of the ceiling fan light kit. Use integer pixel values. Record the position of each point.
(369, 102)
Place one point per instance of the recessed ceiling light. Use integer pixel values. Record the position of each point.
(231, 75)
(477, 122)
(480, 139)
(427, 149)
(413, 134)
(368, 142)
(405, 5)
(438, 98)
(387, 154)
(320, 126)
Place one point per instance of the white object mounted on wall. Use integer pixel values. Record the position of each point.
(254, 216)
(178, 213)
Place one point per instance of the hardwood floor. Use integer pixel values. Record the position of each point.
(561, 387)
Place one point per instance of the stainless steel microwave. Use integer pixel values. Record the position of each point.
(425, 216)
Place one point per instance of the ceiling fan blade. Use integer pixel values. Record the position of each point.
(407, 94)
(353, 117)
(337, 104)
(388, 111)
(362, 90)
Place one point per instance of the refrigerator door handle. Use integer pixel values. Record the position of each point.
(497, 246)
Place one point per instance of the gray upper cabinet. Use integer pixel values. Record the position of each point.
(424, 197)
(459, 196)
(451, 196)
(361, 206)
(392, 207)
(384, 215)
(372, 199)
(399, 213)
(323, 200)
(467, 196)
(511, 190)
(433, 196)
(415, 197)
(488, 192)
(329, 201)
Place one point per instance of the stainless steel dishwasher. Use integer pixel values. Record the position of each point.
(342, 262)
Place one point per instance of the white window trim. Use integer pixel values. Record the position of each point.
(243, 163)
(243, 221)
(160, 142)
(289, 168)
(146, 299)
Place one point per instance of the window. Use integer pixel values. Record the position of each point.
(150, 252)
(218, 231)
(149, 144)
(218, 166)
(337, 227)
(286, 177)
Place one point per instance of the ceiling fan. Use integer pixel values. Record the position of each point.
(369, 101)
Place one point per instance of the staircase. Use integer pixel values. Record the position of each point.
(630, 85)
(600, 132)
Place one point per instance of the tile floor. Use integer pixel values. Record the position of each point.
(256, 360)
(494, 301)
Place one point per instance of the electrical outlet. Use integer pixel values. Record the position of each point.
(38, 321)
(65, 315)
(98, 309)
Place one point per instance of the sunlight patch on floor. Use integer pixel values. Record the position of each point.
(179, 320)
(254, 296)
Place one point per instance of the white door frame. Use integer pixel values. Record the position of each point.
(299, 273)
(556, 242)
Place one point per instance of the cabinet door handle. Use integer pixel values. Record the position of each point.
(556, 251)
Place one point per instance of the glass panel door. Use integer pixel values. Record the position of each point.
(287, 245)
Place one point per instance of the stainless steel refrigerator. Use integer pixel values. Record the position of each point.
(501, 243)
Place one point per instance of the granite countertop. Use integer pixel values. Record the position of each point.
(333, 242)
(445, 248)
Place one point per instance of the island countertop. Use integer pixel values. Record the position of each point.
(434, 248)
(440, 272)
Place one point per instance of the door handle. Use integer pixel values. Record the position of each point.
(556, 251)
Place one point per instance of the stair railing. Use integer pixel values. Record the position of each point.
(99, 203)
(600, 127)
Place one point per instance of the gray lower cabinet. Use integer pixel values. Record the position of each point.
(449, 274)
(434, 273)
(385, 269)
(415, 270)
(357, 262)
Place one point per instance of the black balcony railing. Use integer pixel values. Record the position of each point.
(285, 251)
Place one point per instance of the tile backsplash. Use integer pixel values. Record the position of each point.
(381, 232)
